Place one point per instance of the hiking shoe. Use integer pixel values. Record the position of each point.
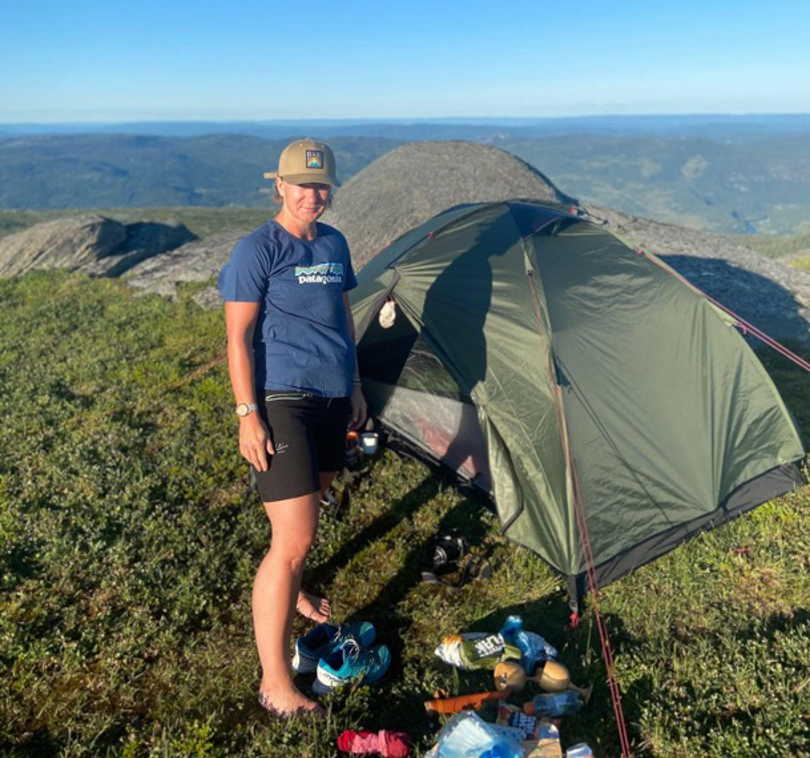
(349, 663)
(324, 638)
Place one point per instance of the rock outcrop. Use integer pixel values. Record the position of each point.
(144, 240)
(88, 243)
(70, 243)
(415, 181)
(195, 262)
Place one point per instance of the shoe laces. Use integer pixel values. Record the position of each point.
(351, 648)
(342, 633)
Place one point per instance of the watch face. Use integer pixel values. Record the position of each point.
(242, 409)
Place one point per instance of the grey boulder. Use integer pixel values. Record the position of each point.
(88, 243)
(194, 262)
(69, 243)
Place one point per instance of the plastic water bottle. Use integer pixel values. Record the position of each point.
(466, 735)
(553, 705)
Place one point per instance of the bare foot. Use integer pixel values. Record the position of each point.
(285, 701)
(313, 607)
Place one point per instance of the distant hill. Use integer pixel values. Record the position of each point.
(715, 126)
(738, 187)
(92, 171)
(752, 187)
(403, 188)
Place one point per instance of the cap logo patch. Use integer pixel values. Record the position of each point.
(314, 158)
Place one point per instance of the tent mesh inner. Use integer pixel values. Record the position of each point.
(405, 360)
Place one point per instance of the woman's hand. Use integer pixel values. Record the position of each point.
(359, 409)
(254, 441)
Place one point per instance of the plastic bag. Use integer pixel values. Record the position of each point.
(533, 648)
(468, 736)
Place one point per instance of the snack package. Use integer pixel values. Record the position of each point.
(531, 728)
(476, 650)
(554, 705)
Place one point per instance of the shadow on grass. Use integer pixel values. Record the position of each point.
(392, 625)
(403, 508)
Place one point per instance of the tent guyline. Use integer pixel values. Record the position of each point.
(609, 412)
(604, 637)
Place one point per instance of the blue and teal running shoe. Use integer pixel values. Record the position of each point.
(325, 638)
(349, 664)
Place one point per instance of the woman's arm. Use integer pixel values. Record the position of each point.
(359, 410)
(254, 440)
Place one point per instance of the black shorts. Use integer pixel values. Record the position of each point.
(309, 436)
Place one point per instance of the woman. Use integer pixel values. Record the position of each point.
(293, 370)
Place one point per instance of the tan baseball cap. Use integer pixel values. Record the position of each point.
(306, 161)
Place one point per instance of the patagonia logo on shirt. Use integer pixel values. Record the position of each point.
(322, 273)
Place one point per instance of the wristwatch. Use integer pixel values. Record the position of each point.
(243, 409)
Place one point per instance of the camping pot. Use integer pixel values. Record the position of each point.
(509, 675)
(369, 443)
(554, 677)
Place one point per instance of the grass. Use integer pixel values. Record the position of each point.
(775, 246)
(128, 542)
(802, 262)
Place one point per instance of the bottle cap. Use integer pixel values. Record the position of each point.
(529, 708)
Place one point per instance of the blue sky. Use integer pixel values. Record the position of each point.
(207, 60)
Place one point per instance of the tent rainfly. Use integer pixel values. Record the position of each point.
(540, 358)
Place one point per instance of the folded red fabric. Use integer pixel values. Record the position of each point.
(386, 743)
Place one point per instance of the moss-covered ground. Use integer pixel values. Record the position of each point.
(129, 539)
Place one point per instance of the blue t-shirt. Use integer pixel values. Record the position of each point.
(301, 341)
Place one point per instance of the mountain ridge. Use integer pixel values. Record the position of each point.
(761, 186)
(415, 181)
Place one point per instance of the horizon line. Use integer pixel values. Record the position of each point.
(404, 119)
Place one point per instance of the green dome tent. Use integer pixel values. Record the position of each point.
(542, 359)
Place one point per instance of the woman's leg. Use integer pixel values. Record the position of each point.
(275, 595)
(311, 606)
(325, 479)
